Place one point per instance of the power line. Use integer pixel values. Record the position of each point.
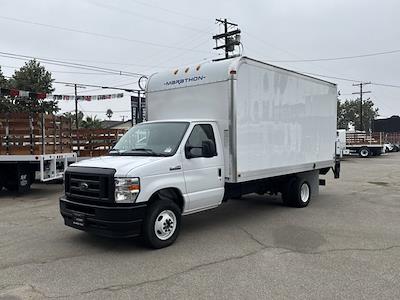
(263, 42)
(318, 59)
(231, 38)
(63, 72)
(331, 77)
(339, 58)
(170, 11)
(386, 85)
(130, 12)
(69, 64)
(89, 85)
(192, 38)
(350, 80)
(96, 34)
(102, 111)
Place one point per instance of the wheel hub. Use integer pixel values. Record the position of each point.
(165, 225)
(305, 192)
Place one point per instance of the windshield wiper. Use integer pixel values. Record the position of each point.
(115, 151)
(147, 151)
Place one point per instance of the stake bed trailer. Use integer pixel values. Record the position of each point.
(361, 143)
(217, 130)
(33, 146)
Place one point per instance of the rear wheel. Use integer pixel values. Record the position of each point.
(162, 224)
(297, 193)
(364, 152)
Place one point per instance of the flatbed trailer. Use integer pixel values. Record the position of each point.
(33, 147)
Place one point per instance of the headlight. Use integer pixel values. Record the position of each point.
(126, 189)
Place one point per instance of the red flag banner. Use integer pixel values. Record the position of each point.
(18, 93)
(87, 97)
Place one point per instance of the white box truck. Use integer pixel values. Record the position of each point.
(215, 131)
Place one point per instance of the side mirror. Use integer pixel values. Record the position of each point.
(188, 152)
(208, 148)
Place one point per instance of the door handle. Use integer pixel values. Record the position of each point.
(219, 172)
(175, 168)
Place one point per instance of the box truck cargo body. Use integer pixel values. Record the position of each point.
(216, 130)
(273, 121)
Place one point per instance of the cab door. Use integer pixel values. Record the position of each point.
(203, 167)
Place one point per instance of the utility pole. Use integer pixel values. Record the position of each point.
(231, 39)
(361, 92)
(76, 113)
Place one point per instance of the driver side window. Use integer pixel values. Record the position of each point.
(194, 145)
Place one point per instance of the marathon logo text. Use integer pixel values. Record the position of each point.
(185, 80)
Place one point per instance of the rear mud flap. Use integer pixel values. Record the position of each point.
(336, 169)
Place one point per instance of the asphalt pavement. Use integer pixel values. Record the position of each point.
(346, 244)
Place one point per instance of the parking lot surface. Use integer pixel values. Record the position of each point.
(346, 244)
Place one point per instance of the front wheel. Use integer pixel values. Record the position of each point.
(162, 224)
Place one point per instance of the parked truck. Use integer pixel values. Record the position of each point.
(359, 142)
(216, 131)
(40, 147)
(33, 146)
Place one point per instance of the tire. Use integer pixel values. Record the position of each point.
(162, 224)
(297, 193)
(364, 152)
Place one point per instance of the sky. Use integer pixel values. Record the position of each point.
(147, 36)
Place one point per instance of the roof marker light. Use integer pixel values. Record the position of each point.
(186, 70)
(176, 71)
(198, 67)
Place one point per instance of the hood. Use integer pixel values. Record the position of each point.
(122, 164)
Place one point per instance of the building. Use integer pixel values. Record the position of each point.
(391, 124)
(110, 124)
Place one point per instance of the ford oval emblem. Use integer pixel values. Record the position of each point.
(83, 186)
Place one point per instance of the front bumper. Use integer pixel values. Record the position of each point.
(116, 222)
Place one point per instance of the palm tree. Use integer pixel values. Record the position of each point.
(109, 113)
(91, 123)
(71, 116)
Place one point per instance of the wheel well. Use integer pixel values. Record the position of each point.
(172, 194)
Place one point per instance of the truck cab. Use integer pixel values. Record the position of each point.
(178, 161)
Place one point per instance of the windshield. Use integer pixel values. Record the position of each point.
(151, 139)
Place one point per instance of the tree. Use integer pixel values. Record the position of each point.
(33, 77)
(3, 80)
(5, 102)
(348, 112)
(109, 113)
(91, 123)
(71, 116)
